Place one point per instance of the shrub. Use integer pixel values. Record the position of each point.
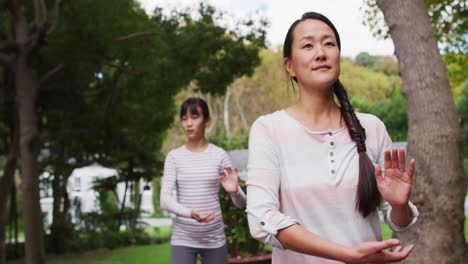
(238, 238)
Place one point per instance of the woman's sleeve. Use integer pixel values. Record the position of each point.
(238, 199)
(263, 183)
(386, 208)
(168, 185)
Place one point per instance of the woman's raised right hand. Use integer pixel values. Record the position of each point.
(374, 252)
(202, 219)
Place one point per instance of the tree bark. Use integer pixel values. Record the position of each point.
(434, 139)
(60, 228)
(226, 112)
(27, 85)
(244, 123)
(56, 204)
(128, 176)
(211, 106)
(27, 88)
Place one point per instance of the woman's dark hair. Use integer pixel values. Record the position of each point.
(368, 195)
(192, 104)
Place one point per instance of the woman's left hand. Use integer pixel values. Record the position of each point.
(395, 185)
(229, 179)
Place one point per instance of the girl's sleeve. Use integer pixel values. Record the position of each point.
(238, 199)
(386, 208)
(168, 184)
(263, 182)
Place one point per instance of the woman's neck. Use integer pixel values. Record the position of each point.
(317, 110)
(197, 145)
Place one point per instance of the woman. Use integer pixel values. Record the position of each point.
(195, 170)
(313, 191)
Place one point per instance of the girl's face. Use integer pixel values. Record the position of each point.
(194, 124)
(315, 57)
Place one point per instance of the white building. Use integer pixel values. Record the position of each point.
(82, 195)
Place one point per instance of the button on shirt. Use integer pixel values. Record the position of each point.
(298, 176)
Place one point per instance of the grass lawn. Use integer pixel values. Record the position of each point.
(150, 254)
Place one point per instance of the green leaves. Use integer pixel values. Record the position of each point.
(392, 111)
(448, 18)
(113, 100)
(231, 53)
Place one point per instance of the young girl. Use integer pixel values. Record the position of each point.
(313, 190)
(195, 171)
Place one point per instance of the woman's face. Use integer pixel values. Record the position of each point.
(315, 57)
(194, 124)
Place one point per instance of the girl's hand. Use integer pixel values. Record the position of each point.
(202, 219)
(374, 252)
(229, 180)
(395, 185)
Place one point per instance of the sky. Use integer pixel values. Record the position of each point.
(345, 15)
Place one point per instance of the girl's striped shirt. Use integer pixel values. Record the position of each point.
(194, 176)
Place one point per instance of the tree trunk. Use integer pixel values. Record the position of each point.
(55, 232)
(226, 112)
(244, 123)
(210, 104)
(122, 206)
(60, 228)
(136, 202)
(6, 184)
(434, 139)
(27, 86)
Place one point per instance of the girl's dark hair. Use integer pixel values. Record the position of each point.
(368, 195)
(192, 104)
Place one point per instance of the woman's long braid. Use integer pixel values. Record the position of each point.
(368, 196)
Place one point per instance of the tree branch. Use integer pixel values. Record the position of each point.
(137, 35)
(51, 73)
(56, 14)
(114, 81)
(40, 13)
(36, 41)
(19, 24)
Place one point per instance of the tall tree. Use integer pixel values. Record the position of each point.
(95, 55)
(33, 27)
(364, 59)
(448, 19)
(19, 48)
(112, 103)
(434, 135)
